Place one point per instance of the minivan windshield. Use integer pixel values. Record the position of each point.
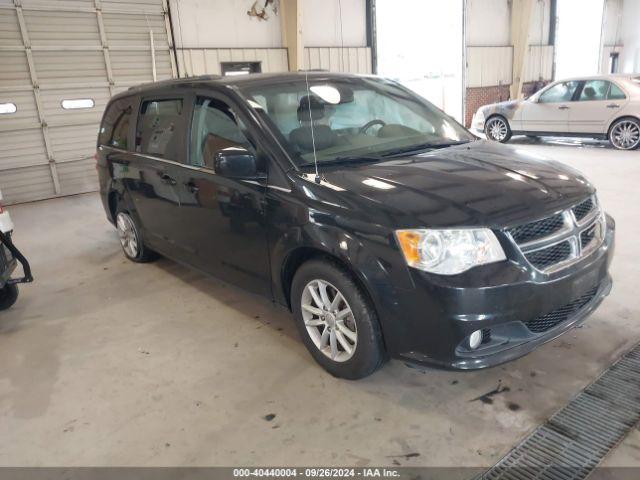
(351, 119)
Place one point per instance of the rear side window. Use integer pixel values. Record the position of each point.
(160, 128)
(594, 90)
(114, 131)
(616, 93)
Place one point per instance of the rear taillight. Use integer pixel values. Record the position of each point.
(96, 158)
(1, 208)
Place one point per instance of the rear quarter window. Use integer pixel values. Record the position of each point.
(114, 130)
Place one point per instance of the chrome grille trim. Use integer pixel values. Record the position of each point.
(584, 236)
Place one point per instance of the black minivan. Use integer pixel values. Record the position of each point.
(385, 226)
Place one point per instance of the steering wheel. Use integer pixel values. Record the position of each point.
(370, 124)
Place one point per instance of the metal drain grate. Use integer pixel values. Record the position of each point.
(574, 440)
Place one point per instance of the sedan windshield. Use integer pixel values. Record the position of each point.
(351, 119)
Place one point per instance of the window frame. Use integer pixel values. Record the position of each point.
(135, 105)
(624, 93)
(240, 110)
(187, 108)
(573, 98)
(583, 84)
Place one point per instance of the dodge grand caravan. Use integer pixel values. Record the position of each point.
(382, 224)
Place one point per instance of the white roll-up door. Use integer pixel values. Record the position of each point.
(60, 61)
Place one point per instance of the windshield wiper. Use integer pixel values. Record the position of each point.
(345, 159)
(420, 148)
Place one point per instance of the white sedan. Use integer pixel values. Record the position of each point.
(605, 106)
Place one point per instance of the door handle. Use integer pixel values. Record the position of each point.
(613, 105)
(167, 178)
(192, 187)
(563, 107)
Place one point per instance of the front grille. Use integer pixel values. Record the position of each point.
(587, 236)
(561, 238)
(545, 257)
(486, 335)
(549, 320)
(536, 230)
(583, 209)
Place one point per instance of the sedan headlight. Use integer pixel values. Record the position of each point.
(450, 251)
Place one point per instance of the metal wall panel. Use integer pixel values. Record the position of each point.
(492, 66)
(202, 61)
(26, 184)
(489, 66)
(337, 59)
(55, 50)
(539, 63)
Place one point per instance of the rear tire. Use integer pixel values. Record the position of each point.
(497, 128)
(347, 345)
(131, 240)
(8, 296)
(624, 133)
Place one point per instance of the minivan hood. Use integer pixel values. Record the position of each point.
(477, 184)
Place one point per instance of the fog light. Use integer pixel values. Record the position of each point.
(475, 339)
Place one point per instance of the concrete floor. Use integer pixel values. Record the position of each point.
(105, 362)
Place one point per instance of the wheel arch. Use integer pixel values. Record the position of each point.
(112, 201)
(297, 257)
(493, 115)
(621, 117)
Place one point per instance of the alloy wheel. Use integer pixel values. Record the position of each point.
(626, 135)
(329, 320)
(497, 129)
(128, 235)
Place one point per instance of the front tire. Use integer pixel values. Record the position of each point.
(131, 241)
(8, 296)
(624, 134)
(337, 322)
(497, 128)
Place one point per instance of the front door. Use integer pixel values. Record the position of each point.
(598, 103)
(223, 219)
(549, 112)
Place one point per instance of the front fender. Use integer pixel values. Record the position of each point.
(368, 250)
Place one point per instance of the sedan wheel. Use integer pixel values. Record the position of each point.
(497, 129)
(329, 320)
(625, 134)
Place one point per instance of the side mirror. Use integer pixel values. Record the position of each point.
(236, 162)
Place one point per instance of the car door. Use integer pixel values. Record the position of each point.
(598, 101)
(549, 111)
(222, 218)
(159, 147)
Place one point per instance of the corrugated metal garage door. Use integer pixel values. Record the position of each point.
(57, 50)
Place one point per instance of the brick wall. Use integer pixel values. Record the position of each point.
(480, 96)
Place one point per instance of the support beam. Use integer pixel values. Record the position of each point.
(291, 18)
(521, 16)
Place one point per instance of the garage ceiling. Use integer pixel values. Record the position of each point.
(57, 50)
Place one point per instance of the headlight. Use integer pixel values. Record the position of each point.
(450, 251)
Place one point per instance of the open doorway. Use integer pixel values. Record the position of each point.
(421, 45)
(578, 35)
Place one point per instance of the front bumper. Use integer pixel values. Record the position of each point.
(503, 300)
(477, 123)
